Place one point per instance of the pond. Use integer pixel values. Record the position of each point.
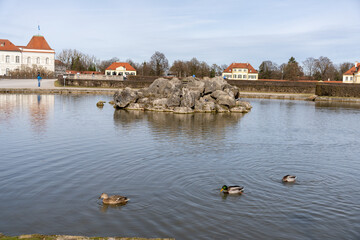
(60, 152)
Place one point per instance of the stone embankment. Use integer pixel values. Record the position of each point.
(68, 237)
(189, 95)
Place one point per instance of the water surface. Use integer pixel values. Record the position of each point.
(59, 153)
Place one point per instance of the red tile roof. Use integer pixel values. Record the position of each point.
(353, 70)
(38, 42)
(240, 65)
(115, 65)
(6, 45)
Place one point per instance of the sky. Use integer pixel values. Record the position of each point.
(220, 32)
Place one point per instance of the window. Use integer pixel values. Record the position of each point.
(244, 76)
(351, 78)
(17, 59)
(37, 60)
(47, 60)
(7, 72)
(240, 76)
(7, 59)
(28, 60)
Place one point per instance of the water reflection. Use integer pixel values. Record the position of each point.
(194, 125)
(337, 105)
(37, 106)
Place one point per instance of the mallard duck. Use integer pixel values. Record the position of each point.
(232, 189)
(289, 178)
(115, 199)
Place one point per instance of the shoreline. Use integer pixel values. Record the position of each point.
(107, 91)
(49, 86)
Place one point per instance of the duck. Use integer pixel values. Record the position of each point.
(114, 199)
(289, 178)
(232, 189)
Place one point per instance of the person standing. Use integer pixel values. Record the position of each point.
(39, 79)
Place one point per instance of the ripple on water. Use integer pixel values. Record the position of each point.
(172, 169)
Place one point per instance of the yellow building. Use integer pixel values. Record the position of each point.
(120, 68)
(240, 71)
(353, 74)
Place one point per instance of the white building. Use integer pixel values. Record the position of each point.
(240, 71)
(353, 74)
(120, 68)
(37, 52)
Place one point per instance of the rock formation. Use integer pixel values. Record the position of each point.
(187, 96)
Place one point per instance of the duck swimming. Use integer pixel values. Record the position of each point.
(289, 178)
(115, 199)
(232, 189)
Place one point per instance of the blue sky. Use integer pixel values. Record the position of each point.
(218, 32)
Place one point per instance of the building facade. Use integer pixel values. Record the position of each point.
(120, 68)
(353, 74)
(36, 53)
(240, 71)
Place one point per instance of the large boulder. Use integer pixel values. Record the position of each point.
(189, 97)
(231, 90)
(218, 93)
(195, 85)
(244, 104)
(125, 97)
(186, 96)
(226, 100)
(174, 100)
(203, 105)
(162, 87)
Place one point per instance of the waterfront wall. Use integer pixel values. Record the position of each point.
(262, 86)
(338, 90)
(274, 86)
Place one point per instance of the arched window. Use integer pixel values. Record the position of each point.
(7, 59)
(29, 60)
(37, 60)
(47, 60)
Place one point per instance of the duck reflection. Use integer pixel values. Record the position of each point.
(105, 207)
(194, 125)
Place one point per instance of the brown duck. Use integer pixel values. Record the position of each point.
(112, 200)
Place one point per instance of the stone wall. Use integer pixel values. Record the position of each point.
(318, 88)
(103, 83)
(274, 86)
(338, 90)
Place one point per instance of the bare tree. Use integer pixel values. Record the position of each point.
(180, 68)
(344, 67)
(159, 63)
(106, 63)
(309, 66)
(323, 64)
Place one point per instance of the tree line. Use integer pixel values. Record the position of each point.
(321, 68)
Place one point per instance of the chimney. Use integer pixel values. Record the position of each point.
(356, 63)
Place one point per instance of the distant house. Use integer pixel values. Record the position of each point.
(120, 68)
(240, 71)
(37, 52)
(353, 74)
